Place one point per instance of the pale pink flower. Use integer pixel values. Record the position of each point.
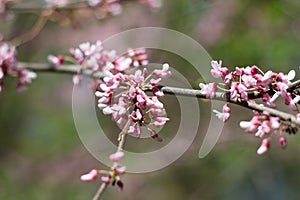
(293, 103)
(225, 114)
(298, 116)
(233, 90)
(208, 89)
(92, 175)
(251, 126)
(242, 89)
(117, 157)
(266, 79)
(164, 72)
(56, 60)
(106, 179)
(275, 123)
(264, 147)
(218, 71)
(120, 170)
(248, 80)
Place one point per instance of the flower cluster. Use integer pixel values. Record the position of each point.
(95, 57)
(249, 84)
(124, 97)
(9, 67)
(111, 176)
(264, 126)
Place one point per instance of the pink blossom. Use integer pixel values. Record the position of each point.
(242, 89)
(275, 123)
(218, 71)
(56, 60)
(263, 129)
(224, 116)
(117, 157)
(160, 121)
(293, 103)
(249, 81)
(298, 116)
(120, 170)
(92, 175)
(234, 90)
(283, 142)
(164, 72)
(264, 147)
(251, 126)
(106, 179)
(208, 89)
(266, 80)
(270, 101)
(228, 78)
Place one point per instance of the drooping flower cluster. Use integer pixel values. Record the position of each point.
(124, 97)
(9, 67)
(249, 84)
(111, 176)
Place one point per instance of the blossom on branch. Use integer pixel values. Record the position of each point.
(245, 85)
(9, 67)
(208, 89)
(124, 97)
(225, 114)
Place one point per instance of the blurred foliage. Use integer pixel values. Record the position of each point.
(42, 156)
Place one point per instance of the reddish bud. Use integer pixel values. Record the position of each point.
(283, 142)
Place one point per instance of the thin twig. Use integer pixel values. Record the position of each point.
(39, 25)
(100, 191)
(121, 139)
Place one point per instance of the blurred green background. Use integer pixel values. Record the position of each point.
(41, 155)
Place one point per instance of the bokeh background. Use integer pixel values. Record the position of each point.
(41, 155)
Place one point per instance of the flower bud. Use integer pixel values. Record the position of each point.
(283, 142)
(264, 147)
(92, 175)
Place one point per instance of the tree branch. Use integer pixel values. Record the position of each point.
(65, 69)
(221, 96)
(69, 7)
